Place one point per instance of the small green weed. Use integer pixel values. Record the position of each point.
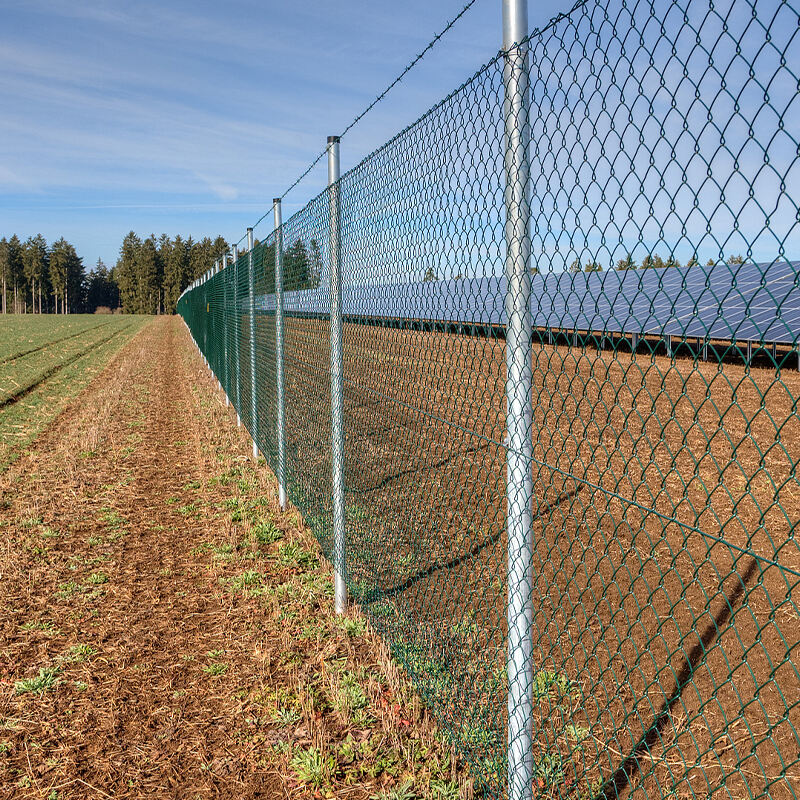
(46, 679)
(66, 590)
(403, 791)
(546, 681)
(267, 532)
(249, 582)
(46, 626)
(312, 767)
(445, 790)
(352, 626)
(98, 578)
(349, 699)
(77, 654)
(286, 716)
(576, 733)
(291, 554)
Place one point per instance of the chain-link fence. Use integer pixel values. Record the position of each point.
(570, 317)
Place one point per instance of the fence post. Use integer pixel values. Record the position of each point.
(225, 328)
(279, 378)
(519, 411)
(253, 405)
(217, 371)
(237, 316)
(337, 368)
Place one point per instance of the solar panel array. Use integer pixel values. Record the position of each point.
(759, 303)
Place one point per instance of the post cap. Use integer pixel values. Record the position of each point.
(332, 139)
(249, 229)
(276, 200)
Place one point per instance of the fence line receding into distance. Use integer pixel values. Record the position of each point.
(529, 370)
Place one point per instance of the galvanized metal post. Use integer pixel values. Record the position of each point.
(237, 316)
(279, 379)
(216, 354)
(519, 409)
(253, 404)
(225, 329)
(337, 387)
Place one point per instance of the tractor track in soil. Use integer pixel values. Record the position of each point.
(27, 388)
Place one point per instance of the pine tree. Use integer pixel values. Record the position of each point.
(76, 281)
(35, 258)
(626, 263)
(295, 267)
(201, 258)
(16, 271)
(218, 249)
(176, 273)
(59, 256)
(147, 287)
(315, 267)
(101, 291)
(4, 271)
(125, 272)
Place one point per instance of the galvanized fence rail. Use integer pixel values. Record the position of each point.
(529, 371)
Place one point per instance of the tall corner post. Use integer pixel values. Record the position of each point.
(252, 289)
(519, 410)
(279, 376)
(337, 370)
(237, 332)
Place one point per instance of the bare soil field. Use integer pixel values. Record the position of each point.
(167, 632)
(665, 561)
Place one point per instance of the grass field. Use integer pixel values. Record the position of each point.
(167, 632)
(44, 361)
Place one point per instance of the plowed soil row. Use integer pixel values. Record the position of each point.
(166, 632)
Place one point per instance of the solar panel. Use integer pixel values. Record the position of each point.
(747, 302)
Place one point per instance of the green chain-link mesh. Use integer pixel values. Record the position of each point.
(666, 437)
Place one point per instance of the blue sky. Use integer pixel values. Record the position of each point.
(188, 118)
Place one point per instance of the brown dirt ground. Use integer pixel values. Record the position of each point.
(665, 563)
(185, 624)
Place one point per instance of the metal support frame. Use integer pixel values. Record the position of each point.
(337, 386)
(519, 410)
(252, 287)
(237, 316)
(279, 376)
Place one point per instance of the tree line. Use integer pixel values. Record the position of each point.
(148, 277)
